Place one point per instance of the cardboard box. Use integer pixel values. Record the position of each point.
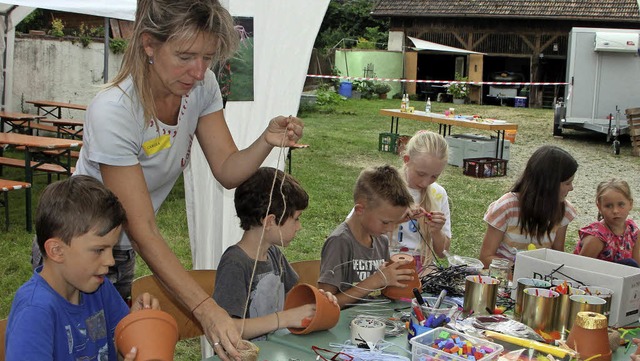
(624, 280)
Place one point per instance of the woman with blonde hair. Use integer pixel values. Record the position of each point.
(427, 234)
(139, 131)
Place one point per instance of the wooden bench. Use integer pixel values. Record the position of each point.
(45, 167)
(9, 185)
(73, 153)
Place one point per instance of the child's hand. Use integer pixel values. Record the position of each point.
(436, 221)
(298, 317)
(145, 301)
(392, 274)
(636, 355)
(331, 297)
(415, 213)
(131, 356)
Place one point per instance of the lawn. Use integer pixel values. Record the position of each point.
(343, 140)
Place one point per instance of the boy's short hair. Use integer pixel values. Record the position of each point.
(382, 183)
(76, 206)
(252, 197)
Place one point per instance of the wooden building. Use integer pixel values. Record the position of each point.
(522, 40)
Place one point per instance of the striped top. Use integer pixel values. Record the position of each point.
(504, 215)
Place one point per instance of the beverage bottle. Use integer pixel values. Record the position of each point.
(407, 102)
(427, 107)
(403, 105)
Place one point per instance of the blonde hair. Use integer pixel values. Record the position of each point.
(170, 20)
(614, 184)
(426, 142)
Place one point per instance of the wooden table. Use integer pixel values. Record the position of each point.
(33, 151)
(72, 127)
(49, 107)
(445, 123)
(19, 122)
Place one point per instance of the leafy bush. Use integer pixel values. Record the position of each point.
(118, 46)
(326, 96)
(57, 28)
(381, 88)
(458, 90)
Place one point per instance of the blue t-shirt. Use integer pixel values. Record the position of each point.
(44, 326)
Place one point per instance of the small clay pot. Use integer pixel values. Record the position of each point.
(153, 332)
(589, 336)
(394, 292)
(327, 313)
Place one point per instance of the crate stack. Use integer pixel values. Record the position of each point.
(633, 118)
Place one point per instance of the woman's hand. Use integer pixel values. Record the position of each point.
(145, 301)
(284, 131)
(219, 329)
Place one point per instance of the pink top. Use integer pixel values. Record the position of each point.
(616, 248)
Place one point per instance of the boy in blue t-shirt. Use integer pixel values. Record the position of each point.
(69, 310)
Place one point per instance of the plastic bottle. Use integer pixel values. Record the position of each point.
(427, 107)
(407, 102)
(403, 105)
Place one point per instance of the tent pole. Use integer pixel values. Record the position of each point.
(105, 72)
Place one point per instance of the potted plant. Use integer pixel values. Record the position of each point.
(459, 91)
(362, 89)
(381, 88)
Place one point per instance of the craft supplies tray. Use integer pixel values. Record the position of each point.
(444, 344)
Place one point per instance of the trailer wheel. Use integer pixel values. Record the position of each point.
(616, 147)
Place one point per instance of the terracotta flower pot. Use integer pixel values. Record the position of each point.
(589, 336)
(327, 313)
(153, 332)
(394, 292)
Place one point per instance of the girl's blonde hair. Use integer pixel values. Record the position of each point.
(170, 20)
(615, 184)
(425, 142)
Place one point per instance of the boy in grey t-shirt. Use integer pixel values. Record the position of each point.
(354, 255)
(265, 227)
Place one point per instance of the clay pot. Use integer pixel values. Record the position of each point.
(589, 336)
(153, 332)
(327, 313)
(394, 292)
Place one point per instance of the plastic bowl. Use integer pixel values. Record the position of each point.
(474, 265)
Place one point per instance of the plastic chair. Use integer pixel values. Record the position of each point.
(188, 326)
(3, 332)
(308, 271)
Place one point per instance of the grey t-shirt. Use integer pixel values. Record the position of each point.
(115, 133)
(267, 290)
(345, 261)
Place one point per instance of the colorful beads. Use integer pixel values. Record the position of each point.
(452, 344)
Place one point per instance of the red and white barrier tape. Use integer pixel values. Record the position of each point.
(431, 81)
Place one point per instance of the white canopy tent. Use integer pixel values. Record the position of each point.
(420, 44)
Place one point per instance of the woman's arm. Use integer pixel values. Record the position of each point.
(490, 243)
(231, 166)
(129, 185)
(558, 242)
(591, 246)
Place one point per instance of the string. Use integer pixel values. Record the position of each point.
(255, 262)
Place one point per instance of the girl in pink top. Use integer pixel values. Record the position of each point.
(613, 237)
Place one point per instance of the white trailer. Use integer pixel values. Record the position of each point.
(603, 76)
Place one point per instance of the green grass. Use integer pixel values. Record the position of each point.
(343, 140)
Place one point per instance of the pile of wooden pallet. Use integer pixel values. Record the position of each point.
(633, 117)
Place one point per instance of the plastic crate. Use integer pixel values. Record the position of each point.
(424, 347)
(484, 167)
(392, 142)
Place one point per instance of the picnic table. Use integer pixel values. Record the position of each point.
(36, 156)
(446, 122)
(19, 122)
(54, 108)
(72, 127)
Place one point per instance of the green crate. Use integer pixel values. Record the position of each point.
(392, 142)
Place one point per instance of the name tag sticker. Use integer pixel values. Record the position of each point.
(155, 145)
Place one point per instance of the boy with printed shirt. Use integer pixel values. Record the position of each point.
(353, 262)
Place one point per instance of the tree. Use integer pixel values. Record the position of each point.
(350, 19)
